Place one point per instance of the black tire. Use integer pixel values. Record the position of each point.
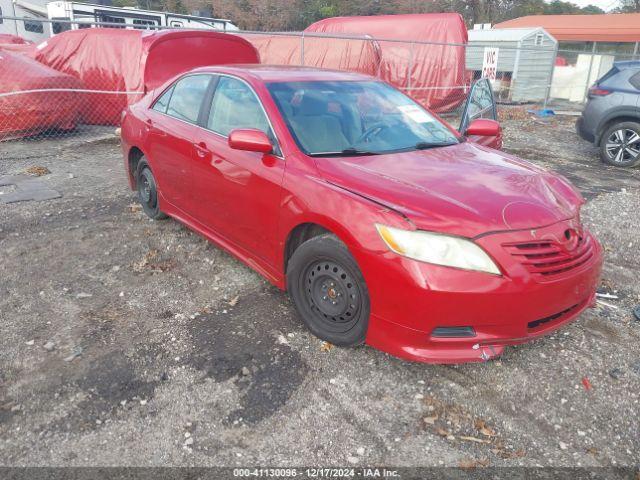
(329, 291)
(620, 145)
(148, 191)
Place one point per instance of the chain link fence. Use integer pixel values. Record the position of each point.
(47, 90)
(577, 70)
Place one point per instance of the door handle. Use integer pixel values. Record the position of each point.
(201, 149)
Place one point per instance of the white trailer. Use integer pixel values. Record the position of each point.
(128, 17)
(31, 12)
(83, 15)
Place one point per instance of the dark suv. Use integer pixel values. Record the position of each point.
(611, 117)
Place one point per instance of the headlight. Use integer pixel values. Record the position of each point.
(438, 249)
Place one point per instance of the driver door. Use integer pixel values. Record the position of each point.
(481, 104)
(237, 192)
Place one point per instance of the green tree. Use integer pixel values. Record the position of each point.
(629, 6)
(592, 10)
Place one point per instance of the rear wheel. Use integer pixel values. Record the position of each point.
(329, 291)
(620, 145)
(148, 191)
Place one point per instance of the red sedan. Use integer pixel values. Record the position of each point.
(385, 225)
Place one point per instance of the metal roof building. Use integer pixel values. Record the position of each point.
(610, 27)
(525, 60)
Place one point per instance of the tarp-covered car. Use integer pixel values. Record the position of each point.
(431, 70)
(360, 55)
(121, 65)
(28, 93)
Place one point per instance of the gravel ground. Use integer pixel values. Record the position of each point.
(132, 342)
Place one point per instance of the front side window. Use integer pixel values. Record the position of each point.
(480, 104)
(236, 106)
(187, 97)
(355, 117)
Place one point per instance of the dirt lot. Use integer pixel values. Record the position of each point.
(131, 342)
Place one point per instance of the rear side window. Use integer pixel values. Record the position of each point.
(635, 80)
(188, 94)
(607, 75)
(162, 102)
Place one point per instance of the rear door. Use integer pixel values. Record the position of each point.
(237, 192)
(480, 104)
(171, 131)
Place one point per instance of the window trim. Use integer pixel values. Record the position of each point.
(172, 88)
(157, 99)
(205, 119)
(202, 120)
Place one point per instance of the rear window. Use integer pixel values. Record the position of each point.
(607, 75)
(635, 80)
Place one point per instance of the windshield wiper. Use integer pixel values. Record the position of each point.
(347, 152)
(428, 145)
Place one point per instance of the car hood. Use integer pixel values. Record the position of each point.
(463, 189)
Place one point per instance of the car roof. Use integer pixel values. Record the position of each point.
(285, 73)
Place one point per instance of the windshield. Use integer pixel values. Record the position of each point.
(356, 118)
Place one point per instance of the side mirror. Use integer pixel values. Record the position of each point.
(484, 127)
(250, 140)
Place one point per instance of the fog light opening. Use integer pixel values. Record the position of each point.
(453, 332)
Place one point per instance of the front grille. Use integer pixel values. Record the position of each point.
(541, 321)
(548, 257)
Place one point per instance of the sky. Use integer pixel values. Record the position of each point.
(603, 4)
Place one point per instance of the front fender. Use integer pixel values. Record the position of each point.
(349, 216)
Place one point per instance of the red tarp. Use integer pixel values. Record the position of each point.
(14, 43)
(355, 55)
(432, 74)
(13, 39)
(120, 60)
(28, 111)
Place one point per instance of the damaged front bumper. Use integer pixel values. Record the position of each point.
(514, 308)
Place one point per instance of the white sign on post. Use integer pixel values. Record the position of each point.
(490, 63)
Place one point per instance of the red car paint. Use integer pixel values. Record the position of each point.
(250, 203)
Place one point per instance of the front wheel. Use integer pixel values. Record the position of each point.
(329, 291)
(621, 145)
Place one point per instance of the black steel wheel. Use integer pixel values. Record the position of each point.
(148, 191)
(329, 291)
(620, 145)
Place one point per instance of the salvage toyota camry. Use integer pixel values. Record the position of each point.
(385, 225)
